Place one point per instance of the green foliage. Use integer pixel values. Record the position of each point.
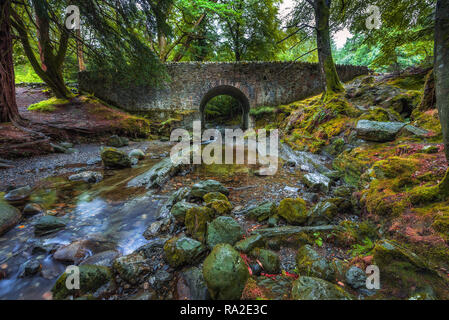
(25, 74)
(363, 249)
(222, 109)
(261, 112)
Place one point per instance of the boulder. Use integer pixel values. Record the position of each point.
(30, 268)
(293, 210)
(322, 213)
(261, 212)
(9, 217)
(96, 281)
(182, 250)
(225, 273)
(179, 210)
(79, 250)
(223, 230)
(133, 268)
(87, 176)
(117, 142)
(115, 159)
(356, 277)
(270, 260)
(250, 243)
(137, 153)
(196, 221)
(19, 195)
(200, 189)
(220, 207)
(191, 285)
(309, 288)
(310, 263)
(378, 131)
(32, 209)
(317, 182)
(48, 224)
(213, 196)
(105, 258)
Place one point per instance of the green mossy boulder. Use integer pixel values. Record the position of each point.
(48, 224)
(212, 196)
(200, 189)
(225, 273)
(220, 207)
(95, 281)
(115, 159)
(223, 230)
(196, 221)
(293, 210)
(270, 260)
(179, 210)
(117, 142)
(309, 288)
(250, 243)
(310, 263)
(132, 268)
(322, 213)
(262, 211)
(9, 217)
(182, 250)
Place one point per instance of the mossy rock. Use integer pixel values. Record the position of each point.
(179, 210)
(262, 211)
(212, 196)
(309, 288)
(96, 281)
(293, 210)
(427, 194)
(225, 273)
(115, 159)
(270, 260)
(200, 189)
(196, 221)
(322, 213)
(310, 263)
(220, 207)
(182, 250)
(9, 217)
(223, 230)
(404, 270)
(250, 243)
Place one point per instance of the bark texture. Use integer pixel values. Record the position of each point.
(8, 106)
(441, 68)
(327, 65)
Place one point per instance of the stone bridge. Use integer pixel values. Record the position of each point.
(193, 84)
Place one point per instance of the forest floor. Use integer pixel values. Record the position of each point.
(82, 119)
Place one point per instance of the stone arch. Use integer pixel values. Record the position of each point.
(229, 91)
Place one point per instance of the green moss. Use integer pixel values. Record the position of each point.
(426, 194)
(293, 210)
(49, 105)
(196, 221)
(220, 207)
(212, 196)
(409, 82)
(92, 278)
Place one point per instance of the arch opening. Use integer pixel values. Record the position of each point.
(222, 91)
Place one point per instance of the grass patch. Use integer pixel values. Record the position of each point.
(25, 74)
(47, 105)
(262, 111)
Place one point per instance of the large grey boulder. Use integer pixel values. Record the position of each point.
(200, 189)
(378, 131)
(317, 182)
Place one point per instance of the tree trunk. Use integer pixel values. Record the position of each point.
(49, 68)
(441, 68)
(80, 52)
(8, 106)
(327, 65)
(428, 101)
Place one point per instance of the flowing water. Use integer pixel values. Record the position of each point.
(108, 212)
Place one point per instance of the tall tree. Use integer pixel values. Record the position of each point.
(52, 42)
(8, 106)
(442, 67)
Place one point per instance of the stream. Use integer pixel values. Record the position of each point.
(113, 217)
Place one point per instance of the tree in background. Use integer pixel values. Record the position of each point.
(317, 15)
(442, 68)
(8, 106)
